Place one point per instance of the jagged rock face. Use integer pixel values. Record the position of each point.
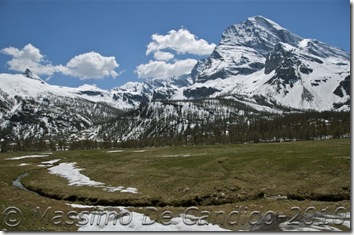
(285, 64)
(276, 57)
(199, 92)
(344, 87)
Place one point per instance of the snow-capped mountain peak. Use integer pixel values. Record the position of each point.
(258, 33)
(264, 22)
(261, 60)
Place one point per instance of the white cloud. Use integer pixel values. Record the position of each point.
(92, 65)
(29, 57)
(162, 69)
(162, 55)
(84, 66)
(29, 52)
(181, 41)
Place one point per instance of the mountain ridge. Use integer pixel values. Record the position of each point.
(259, 68)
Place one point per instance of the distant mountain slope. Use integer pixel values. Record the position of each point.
(31, 108)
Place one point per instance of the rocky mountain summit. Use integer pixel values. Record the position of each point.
(268, 64)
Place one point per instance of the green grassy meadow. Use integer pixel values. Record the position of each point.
(213, 177)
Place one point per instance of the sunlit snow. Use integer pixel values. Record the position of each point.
(27, 156)
(75, 178)
(133, 221)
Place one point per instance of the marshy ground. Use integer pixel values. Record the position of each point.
(275, 177)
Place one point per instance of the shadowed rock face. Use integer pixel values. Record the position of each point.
(344, 87)
(277, 57)
(200, 92)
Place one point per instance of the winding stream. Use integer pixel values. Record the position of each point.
(277, 226)
(17, 183)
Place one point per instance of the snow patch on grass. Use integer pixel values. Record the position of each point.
(73, 175)
(24, 164)
(177, 155)
(120, 189)
(75, 178)
(139, 151)
(79, 205)
(322, 222)
(48, 163)
(51, 162)
(24, 157)
(133, 221)
(115, 151)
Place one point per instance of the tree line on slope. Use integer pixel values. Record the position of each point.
(291, 127)
(253, 129)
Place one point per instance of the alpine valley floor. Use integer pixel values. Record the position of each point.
(289, 186)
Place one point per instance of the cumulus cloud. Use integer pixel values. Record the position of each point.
(92, 65)
(84, 66)
(162, 69)
(181, 41)
(176, 42)
(162, 55)
(29, 57)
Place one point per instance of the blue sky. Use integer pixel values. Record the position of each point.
(62, 38)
